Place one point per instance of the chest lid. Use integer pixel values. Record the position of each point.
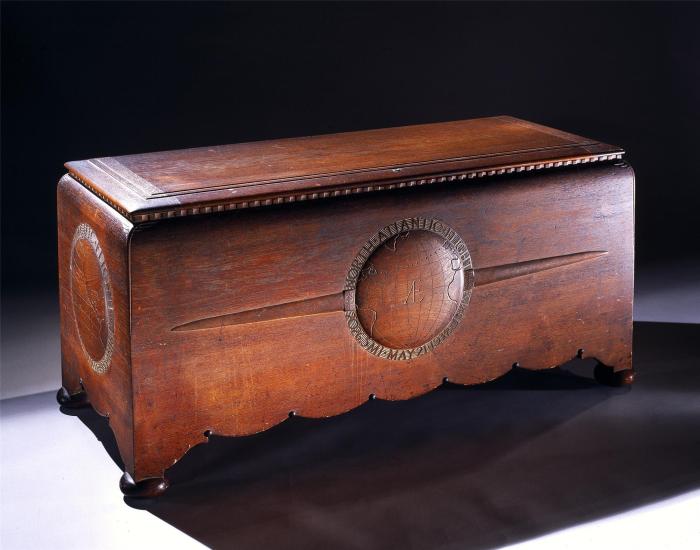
(169, 184)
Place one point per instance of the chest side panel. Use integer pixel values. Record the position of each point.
(94, 306)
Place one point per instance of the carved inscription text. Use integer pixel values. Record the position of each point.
(411, 283)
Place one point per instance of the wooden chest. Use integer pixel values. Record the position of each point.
(219, 290)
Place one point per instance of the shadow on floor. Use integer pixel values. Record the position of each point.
(530, 453)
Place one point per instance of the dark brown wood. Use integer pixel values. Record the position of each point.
(77, 400)
(342, 302)
(490, 275)
(146, 488)
(311, 306)
(226, 322)
(109, 385)
(170, 184)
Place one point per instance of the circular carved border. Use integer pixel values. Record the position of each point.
(403, 226)
(85, 233)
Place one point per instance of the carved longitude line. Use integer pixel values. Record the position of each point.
(343, 301)
(301, 308)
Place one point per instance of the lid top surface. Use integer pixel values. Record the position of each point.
(275, 170)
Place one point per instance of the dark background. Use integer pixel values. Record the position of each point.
(82, 80)
(478, 467)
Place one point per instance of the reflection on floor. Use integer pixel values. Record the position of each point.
(481, 467)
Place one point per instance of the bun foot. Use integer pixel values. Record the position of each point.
(609, 377)
(148, 488)
(76, 401)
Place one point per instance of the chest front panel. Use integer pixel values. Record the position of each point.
(246, 317)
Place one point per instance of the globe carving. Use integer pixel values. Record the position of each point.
(92, 299)
(409, 289)
(89, 300)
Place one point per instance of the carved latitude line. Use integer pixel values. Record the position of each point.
(379, 297)
(341, 301)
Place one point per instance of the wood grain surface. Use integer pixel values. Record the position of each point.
(109, 388)
(168, 184)
(181, 326)
(244, 378)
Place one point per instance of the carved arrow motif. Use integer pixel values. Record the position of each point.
(341, 302)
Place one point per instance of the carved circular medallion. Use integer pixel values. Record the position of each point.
(92, 298)
(408, 288)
